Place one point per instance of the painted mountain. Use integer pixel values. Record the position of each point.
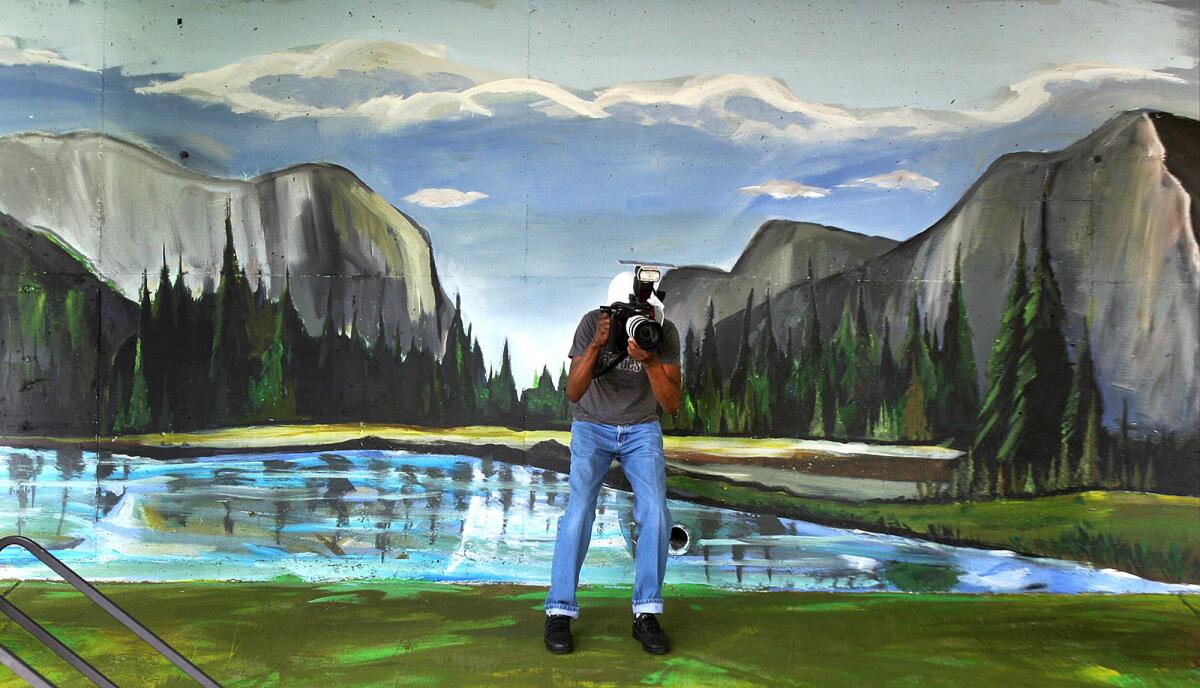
(124, 209)
(1118, 210)
(139, 296)
(776, 258)
(59, 327)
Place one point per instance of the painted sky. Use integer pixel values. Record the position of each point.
(540, 142)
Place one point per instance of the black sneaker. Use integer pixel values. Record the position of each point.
(558, 634)
(653, 638)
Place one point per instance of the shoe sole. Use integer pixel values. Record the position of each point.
(561, 650)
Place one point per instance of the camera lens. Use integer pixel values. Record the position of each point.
(646, 332)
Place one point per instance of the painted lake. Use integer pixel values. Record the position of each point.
(395, 514)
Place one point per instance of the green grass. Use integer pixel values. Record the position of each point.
(399, 633)
(1156, 536)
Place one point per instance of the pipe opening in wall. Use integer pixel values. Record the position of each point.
(680, 539)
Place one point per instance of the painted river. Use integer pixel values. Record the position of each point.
(394, 514)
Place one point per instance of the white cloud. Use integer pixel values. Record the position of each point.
(12, 52)
(444, 198)
(769, 112)
(394, 110)
(784, 188)
(830, 124)
(704, 91)
(706, 97)
(900, 179)
(233, 84)
(1031, 94)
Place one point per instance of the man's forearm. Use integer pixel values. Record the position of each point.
(666, 389)
(581, 372)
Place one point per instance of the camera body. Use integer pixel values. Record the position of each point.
(634, 320)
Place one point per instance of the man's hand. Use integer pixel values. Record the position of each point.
(600, 339)
(582, 365)
(637, 353)
(665, 378)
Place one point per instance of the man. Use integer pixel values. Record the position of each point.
(616, 417)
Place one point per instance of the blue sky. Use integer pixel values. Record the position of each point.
(540, 142)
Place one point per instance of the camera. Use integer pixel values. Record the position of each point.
(633, 318)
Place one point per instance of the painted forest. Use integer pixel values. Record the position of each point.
(1035, 428)
(233, 356)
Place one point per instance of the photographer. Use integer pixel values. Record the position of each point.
(616, 417)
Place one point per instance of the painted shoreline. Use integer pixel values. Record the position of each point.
(772, 457)
(764, 450)
(546, 453)
(548, 449)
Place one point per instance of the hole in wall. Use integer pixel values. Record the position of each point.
(680, 539)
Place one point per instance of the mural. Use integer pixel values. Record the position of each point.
(284, 319)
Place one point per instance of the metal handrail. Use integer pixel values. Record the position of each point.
(98, 598)
(23, 670)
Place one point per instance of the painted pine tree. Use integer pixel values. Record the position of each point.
(709, 369)
(142, 402)
(1087, 471)
(745, 358)
(809, 369)
(958, 391)
(1043, 378)
(193, 405)
(864, 390)
(771, 371)
(889, 372)
(843, 371)
(919, 371)
(503, 392)
(158, 349)
(709, 381)
(1083, 400)
(684, 419)
(788, 405)
(458, 388)
(138, 419)
(914, 423)
(564, 408)
(541, 400)
(996, 410)
(231, 362)
(270, 396)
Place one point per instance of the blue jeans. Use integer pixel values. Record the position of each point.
(639, 449)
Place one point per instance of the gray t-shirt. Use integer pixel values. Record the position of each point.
(623, 395)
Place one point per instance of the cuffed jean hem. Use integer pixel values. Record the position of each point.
(650, 607)
(572, 612)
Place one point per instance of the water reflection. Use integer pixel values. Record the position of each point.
(338, 515)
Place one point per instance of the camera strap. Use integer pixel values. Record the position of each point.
(597, 372)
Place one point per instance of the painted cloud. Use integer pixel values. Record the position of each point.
(444, 198)
(784, 188)
(13, 52)
(900, 179)
(401, 85)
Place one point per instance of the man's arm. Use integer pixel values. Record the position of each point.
(666, 380)
(580, 376)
